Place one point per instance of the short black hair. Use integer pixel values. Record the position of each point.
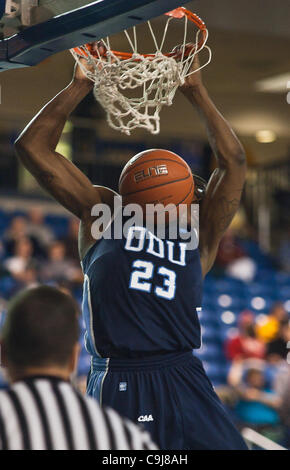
(41, 328)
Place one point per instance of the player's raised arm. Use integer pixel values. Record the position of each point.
(36, 146)
(225, 187)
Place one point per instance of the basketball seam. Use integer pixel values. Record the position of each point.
(153, 160)
(156, 186)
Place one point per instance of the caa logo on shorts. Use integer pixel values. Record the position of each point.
(145, 418)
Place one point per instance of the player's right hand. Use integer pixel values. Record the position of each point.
(79, 73)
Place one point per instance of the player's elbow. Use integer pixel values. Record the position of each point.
(20, 145)
(23, 147)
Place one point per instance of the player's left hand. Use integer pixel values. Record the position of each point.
(195, 79)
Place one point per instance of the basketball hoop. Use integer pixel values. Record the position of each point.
(155, 75)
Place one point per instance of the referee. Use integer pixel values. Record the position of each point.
(41, 410)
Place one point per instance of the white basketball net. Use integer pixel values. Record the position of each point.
(156, 78)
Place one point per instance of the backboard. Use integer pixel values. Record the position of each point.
(68, 29)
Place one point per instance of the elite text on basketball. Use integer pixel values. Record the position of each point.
(153, 171)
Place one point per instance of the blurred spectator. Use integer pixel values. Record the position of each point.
(16, 230)
(257, 405)
(18, 263)
(71, 240)
(268, 330)
(38, 231)
(229, 249)
(233, 260)
(245, 345)
(277, 348)
(243, 269)
(58, 268)
(29, 277)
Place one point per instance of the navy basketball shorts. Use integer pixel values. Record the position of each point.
(171, 396)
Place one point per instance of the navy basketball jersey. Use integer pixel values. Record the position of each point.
(141, 295)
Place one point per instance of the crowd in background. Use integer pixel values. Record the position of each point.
(258, 383)
(31, 253)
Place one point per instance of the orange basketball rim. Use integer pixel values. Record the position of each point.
(178, 13)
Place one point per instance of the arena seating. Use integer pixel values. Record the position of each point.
(224, 298)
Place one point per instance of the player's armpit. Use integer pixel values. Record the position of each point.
(97, 219)
(221, 202)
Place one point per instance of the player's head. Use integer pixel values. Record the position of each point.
(158, 176)
(40, 332)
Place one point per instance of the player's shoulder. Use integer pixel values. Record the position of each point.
(98, 219)
(108, 196)
(95, 409)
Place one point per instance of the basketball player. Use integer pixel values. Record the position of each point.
(140, 305)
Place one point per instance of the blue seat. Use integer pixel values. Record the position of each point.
(208, 302)
(7, 286)
(229, 286)
(18, 213)
(208, 287)
(4, 221)
(265, 275)
(215, 372)
(282, 279)
(259, 289)
(259, 304)
(59, 225)
(227, 301)
(209, 352)
(224, 301)
(210, 334)
(208, 317)
(228, 319)
(284, 293)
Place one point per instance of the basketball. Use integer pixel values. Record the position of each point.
(156, 176)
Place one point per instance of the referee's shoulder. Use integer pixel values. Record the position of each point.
(5, 392)
(124, 434)
(104, 428)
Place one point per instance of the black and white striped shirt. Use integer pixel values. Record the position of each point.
(47, 413)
